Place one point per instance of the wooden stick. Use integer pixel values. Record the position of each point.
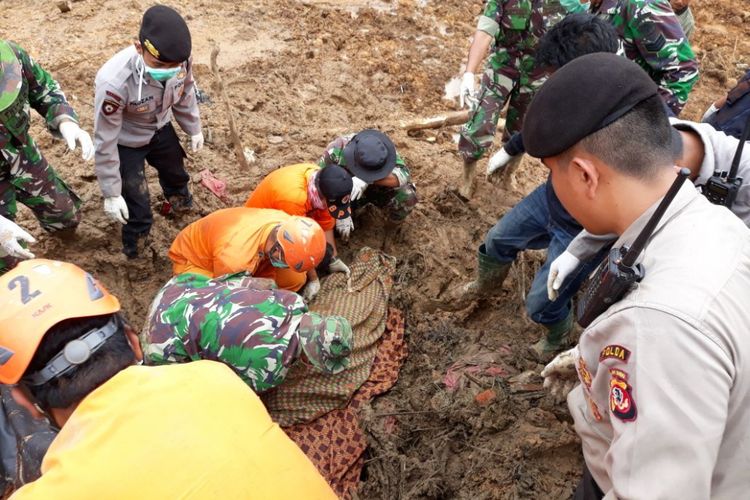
(446, 120)
(239, 150)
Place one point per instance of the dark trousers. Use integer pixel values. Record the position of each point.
(588, 489)
(166, 155)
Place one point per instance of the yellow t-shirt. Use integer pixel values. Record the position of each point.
(192, 430)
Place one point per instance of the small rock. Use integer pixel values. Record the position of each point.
(484, 398)
(64, 6)
(275, 139)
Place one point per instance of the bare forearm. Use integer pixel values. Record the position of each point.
(391, 181)
(478, 51)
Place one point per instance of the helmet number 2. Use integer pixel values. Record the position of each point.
(23, 282)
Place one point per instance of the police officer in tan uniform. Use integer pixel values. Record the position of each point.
(137, 93)
(662, 406)
(704, 151)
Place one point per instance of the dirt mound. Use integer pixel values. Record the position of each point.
(298, 73)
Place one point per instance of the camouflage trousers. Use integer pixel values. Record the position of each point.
(397, 202)
(506, 79)
(26, 177)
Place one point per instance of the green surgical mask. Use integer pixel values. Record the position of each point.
(162, 74)
(573, 6)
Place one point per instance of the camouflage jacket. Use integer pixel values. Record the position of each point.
(39, 91)
(654, 39)
(518, 25)
(334, 154)
(235, 319)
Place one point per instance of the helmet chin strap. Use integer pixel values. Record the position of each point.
(75, 352)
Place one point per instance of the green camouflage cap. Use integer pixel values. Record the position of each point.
(326, 340)
(10, 75)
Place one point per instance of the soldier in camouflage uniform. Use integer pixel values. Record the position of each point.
(380, 175)
(513, 28)
(653, 38)
(244, 322)
(25, 175)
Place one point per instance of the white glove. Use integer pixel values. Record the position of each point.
(498, 161)
(196, 142)
(711, 111)
(345, 227)
(337, 266)
(560, 375)
(358, 188)
(116, 208)
(561, 267)
(71, 132)
(311, 290)
(467, 93)
(10, 235)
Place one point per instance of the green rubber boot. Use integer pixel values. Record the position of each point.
(490, 277)
(557, 339)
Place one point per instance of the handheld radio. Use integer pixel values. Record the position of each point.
(619, 272)
(722, 187)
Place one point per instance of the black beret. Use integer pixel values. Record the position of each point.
(165, 35)
(584, 96)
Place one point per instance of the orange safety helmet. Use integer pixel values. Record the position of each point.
(35, 296)
(302, 241)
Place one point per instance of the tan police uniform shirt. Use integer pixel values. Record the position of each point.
(129, 109)
(663, 408)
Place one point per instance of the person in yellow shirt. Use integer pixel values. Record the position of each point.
(191, 430)
(265, 243)
(306, 189)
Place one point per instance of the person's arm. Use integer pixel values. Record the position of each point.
(334, 151)
(312, 275)
(661, 407)
(391, 181)
(331, 240)
(487, 29)
(399, 176)
(585, 245)
(185, 110)
(679, 4)
(662, 44)
(109, 104)
(45, 95)
(514, 146)
(478, 50)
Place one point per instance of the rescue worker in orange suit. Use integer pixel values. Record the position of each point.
(263, 242)
(306, 189)
(75, 358)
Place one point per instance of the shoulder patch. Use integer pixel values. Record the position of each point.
(110, 107)
(614, 352)
(621, 402)
(583, 372)
(114, 96)
(594, 408)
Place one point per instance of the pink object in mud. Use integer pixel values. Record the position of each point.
(213, 184)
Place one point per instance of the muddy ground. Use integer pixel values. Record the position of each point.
(297, 74)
